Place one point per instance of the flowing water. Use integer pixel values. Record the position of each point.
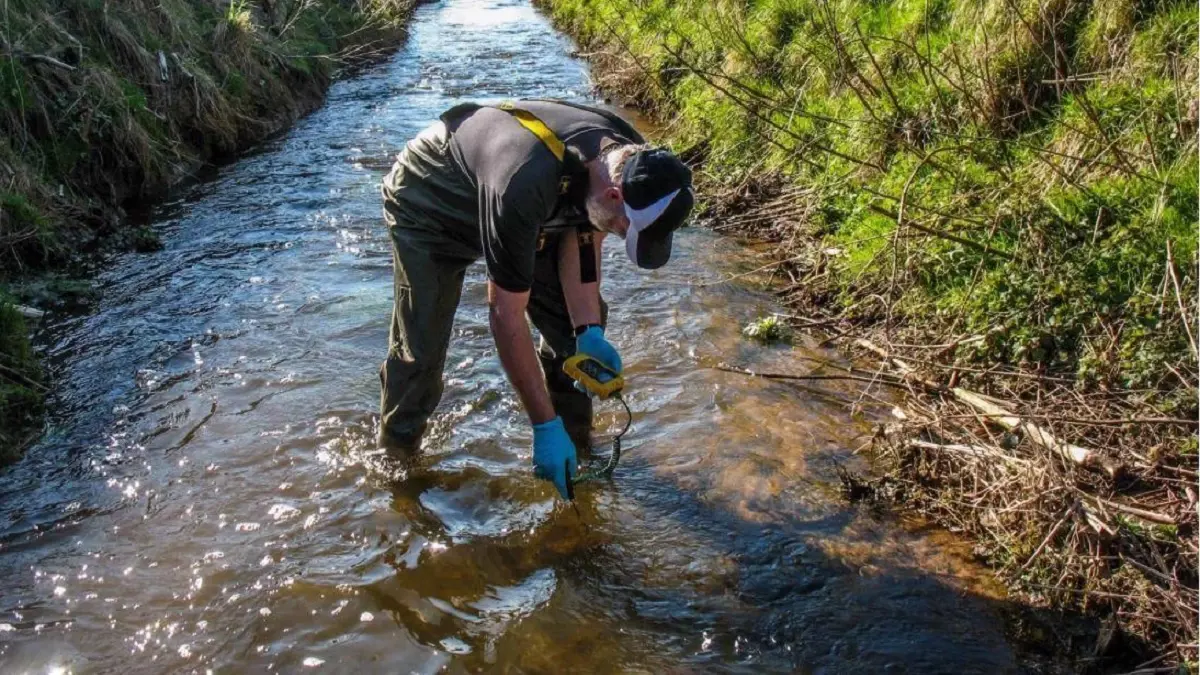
(199, 503)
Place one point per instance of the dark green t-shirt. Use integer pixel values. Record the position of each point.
(484, 185)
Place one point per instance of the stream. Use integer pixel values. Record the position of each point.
(199, 503)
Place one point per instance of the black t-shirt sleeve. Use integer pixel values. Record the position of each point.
(509, 222)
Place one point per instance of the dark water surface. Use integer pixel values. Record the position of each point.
(200, 503)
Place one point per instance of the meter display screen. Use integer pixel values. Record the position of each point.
(596, 371)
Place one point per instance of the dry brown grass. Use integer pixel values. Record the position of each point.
(1061, 535)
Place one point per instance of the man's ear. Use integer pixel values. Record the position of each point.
(613, 194)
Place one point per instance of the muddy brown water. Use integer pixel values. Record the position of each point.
(199, 503)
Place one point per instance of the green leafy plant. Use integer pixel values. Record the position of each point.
(767, 330)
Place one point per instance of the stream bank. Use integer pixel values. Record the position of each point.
(104, 105)
(996, 203)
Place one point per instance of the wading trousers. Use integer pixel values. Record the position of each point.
(427, 290)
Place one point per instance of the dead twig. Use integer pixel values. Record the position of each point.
(941, 234)
(785, 376)
(973, 451)
(24, 379)
(1049, 536)
(756, 270)
(1135, 511)
(1187, 322)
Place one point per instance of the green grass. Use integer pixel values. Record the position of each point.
(21, 212)
(767, 330)
(1059, 145)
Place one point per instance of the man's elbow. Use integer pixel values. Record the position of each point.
(505, 306)
(498, 316)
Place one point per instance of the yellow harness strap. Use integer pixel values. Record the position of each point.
(559, 150)
(538, 127)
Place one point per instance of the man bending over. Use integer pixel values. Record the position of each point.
(532, 187)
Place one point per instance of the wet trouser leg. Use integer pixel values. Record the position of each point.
(427, 291)
(548, 311)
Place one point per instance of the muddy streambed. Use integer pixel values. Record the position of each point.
(200, 504)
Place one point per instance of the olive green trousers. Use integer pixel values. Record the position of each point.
(427, 291)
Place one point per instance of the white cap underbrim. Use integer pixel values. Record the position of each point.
(640, 219)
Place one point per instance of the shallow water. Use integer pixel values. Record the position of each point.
(200, 503)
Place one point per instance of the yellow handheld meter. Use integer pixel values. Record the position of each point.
(593, 375)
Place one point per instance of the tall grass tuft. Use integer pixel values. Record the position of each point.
(21, 388)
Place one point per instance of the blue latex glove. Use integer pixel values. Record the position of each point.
(554, 455)
(592, 343)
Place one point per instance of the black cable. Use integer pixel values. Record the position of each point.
(628, 415)
(607, 470)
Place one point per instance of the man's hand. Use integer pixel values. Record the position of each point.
(554, 455)
(593, 343)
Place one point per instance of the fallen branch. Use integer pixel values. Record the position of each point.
(798, 321)
(1097, 523)
(941, 234)
(1135, 511)
(905, 369)
(1049, 536)
(1187, 322)
(29, 312)
(42, 58)
(768, 266)
(947, 345)
(974, 451)
(1084, 457)
(18, 376)
(783, 376)
(1179, 421)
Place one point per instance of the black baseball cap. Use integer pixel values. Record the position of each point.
(658, 198)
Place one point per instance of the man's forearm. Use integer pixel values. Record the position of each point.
(583, 299)
(514, 344)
